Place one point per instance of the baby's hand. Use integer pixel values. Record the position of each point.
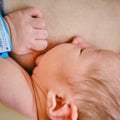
(27, 30)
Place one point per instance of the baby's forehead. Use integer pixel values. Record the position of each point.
(66, 67)
(59, 50)
(64, 53)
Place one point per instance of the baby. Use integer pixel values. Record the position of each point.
(73, 81)
(76, 81)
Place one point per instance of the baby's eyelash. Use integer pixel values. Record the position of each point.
(82, 50)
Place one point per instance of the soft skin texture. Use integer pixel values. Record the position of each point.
(86, 69)
(49, 91)
(27, 30)
(96, 21)
(15, 88)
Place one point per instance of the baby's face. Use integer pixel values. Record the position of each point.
(70, 62)
(64, 61)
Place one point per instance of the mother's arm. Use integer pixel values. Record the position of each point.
(15, 88)
(7, 113)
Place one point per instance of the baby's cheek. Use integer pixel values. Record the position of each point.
(38, 59)
(36, 73)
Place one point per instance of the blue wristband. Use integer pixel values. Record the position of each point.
(5, 43)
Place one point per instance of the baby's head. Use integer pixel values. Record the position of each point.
(80, 82)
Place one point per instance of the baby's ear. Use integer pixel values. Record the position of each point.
(59, 109)
(38, 59)
(77, 40)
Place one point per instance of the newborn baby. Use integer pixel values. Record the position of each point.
(71, 81)
(78, 82)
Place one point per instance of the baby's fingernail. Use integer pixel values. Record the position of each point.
(43, 44)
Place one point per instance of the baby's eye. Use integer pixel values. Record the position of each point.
(82, 50)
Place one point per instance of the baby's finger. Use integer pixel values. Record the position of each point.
(38, 23)
(39, 45)
(33, 12)
(40, 34)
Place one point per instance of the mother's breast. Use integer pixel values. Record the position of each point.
(96, 21)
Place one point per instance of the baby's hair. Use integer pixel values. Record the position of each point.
(96, 92)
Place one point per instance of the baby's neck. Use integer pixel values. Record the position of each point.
(40, 100)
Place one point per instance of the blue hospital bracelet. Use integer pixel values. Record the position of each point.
(5, 43)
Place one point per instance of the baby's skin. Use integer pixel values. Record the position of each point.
(46, 94)
(27, 30)
(72, 80)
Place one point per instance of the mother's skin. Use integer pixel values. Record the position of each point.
(97, 21)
